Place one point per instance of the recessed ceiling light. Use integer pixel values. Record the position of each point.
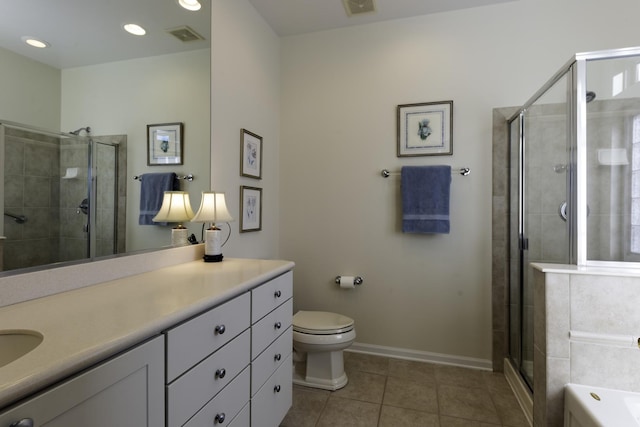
(135, 29)
(32, 41)
(190, 4)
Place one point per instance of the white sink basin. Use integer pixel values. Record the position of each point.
(15, 344)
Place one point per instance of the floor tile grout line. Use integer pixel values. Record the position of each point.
(488, 385)
(384, 391)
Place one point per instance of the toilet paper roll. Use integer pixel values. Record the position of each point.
(347, 282)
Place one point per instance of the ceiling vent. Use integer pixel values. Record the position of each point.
(185, 34)
(358, 7)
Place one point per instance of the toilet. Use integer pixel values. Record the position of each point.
(319, 337)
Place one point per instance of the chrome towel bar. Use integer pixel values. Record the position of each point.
(386, 174)
(189, 177)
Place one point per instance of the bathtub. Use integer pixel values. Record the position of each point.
(587, 406)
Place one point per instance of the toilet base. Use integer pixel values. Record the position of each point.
(300, 377)
(321, 370)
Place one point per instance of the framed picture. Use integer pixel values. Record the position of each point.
(251, 209)
(164, 144)
(425, 129)
(250, 154)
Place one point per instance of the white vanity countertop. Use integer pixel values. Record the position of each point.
(87, 325)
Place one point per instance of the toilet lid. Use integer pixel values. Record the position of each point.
(321, 322)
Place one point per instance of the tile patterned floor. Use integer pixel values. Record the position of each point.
(384, 392)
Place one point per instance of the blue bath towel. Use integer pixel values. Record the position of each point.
(425, 199)
(153, 186)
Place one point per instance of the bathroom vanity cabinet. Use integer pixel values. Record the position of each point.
(229, 365)
(271, 349)
(124, 391)
(234, 361)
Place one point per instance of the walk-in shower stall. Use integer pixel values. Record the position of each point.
(574, 180)
(62, 195)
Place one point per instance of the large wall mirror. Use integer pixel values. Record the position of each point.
(93, 74)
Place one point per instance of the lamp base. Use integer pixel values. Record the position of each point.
(212, 258)
(179, 236)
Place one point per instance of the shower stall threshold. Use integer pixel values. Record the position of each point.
(520, 389)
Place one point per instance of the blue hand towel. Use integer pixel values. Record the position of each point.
(151, 194)
(425, 199)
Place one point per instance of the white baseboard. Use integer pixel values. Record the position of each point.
(520, 389)
(421, 356)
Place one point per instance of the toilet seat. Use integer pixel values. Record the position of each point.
(321, 323)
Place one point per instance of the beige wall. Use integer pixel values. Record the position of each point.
(123, 97)
(424, 294)
(29, 91)
(245, 73)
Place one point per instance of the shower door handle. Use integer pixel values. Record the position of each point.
(83, 207)
(562, 211)
(523, 242)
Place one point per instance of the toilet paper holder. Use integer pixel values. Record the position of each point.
(357, 280)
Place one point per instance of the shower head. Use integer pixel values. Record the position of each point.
(77, 131)
(590, 96)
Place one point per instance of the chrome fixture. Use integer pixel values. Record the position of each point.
(76, 132)
(20, 219)
(386, 174)
(188, 177)
(358, 280)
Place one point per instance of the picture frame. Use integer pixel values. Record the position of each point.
(250, 209)
(250, 154)
(425, 129)
(165, 144)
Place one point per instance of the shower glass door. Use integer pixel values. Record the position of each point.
(105, 180)
(613, 160)
(541, 167)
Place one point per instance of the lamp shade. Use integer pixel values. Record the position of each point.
(213, 208)
(175, 207)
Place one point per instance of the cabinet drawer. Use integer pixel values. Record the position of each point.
(226, 405)
(190, 392)
(270, 327)
(192, 341)
(270, 405)
(270, 359)
(270, 295)
(243, 419)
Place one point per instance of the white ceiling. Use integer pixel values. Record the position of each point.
(289, 17)
(86, 32)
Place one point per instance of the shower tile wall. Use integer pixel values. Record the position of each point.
(31, 188)
(500, 237)
(597, 303)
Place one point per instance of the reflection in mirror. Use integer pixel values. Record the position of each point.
(114, 88)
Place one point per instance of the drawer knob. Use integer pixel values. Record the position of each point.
(220, 418)
(25, 422)
(277, 389)
(220, 329)
(278, 325)
(220, 373)
(277, 294)
(277, 357)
